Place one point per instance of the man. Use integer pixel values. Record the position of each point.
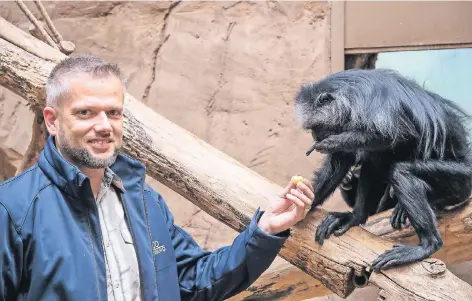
(82, 224)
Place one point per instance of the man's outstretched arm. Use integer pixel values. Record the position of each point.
(229, 270)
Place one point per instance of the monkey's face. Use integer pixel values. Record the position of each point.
(320, 111)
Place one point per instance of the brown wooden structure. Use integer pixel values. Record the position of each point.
(359, 27)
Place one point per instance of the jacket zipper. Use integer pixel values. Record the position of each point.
(99, 228)
(150, 237)
(89, 226)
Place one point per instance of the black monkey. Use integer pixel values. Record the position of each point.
(388, 143)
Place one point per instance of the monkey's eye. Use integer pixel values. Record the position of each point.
(325, 98)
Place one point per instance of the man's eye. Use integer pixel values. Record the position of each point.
(83, 112)
(114, 113)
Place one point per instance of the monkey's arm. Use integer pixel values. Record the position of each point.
(370, 188)
(330, 175)
(352, 141)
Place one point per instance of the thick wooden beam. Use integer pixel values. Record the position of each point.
(284, 282)
(231, 193)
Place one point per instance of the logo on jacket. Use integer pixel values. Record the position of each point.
(156, 248)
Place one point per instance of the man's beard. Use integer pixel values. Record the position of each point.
(81, 156)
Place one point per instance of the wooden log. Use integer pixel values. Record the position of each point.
(285, 282)
(231, 193)
(38, 140)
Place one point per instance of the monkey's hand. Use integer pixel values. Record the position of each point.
(351, 142)
(399, 217)
(336, 223)
(329, 145)
(403, 254)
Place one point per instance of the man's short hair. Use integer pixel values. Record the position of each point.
(57, 85)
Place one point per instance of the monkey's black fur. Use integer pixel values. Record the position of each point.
(411, 144)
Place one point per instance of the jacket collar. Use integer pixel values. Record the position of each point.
(73, 182)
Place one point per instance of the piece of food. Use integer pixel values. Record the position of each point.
(297, 179)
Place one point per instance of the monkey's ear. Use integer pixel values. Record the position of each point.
(325, 97)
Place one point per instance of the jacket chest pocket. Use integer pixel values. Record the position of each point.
(161, 243)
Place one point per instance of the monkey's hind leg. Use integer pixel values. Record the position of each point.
(411, 193)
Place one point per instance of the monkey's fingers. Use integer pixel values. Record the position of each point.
(343, 229)
(332, 223)
(311, 149)
(331, 228)
(398, 217)
(395, 218)
(400, 254)
(323, 228)
(404, 218)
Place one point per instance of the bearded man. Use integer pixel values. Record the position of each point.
(82, 225)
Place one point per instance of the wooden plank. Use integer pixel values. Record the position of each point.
(406, 48)
(337, 34)
(386, 25)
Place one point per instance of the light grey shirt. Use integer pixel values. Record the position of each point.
(123, 283)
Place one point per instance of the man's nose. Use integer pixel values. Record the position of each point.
(103, 123)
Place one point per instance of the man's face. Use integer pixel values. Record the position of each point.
(89, 123)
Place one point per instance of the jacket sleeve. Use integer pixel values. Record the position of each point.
(227, 271)
(11, 257)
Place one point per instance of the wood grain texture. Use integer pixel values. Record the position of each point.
(231, 192)
(284, 282)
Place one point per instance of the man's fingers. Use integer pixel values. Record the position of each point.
(301, 201)
(296, 200)
(308, 183)
(289, 186)
(305, 199)
(306, 191)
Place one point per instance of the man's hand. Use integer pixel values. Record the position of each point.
(290, 208)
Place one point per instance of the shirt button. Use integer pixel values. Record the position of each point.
(117, 285)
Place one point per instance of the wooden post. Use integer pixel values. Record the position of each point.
(231, 192)
(337, 35)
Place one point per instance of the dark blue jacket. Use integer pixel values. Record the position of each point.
(51, 244)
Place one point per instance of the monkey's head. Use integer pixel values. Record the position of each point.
(323, 108)
(379, 103)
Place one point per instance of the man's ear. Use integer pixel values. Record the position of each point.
(50, 119)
